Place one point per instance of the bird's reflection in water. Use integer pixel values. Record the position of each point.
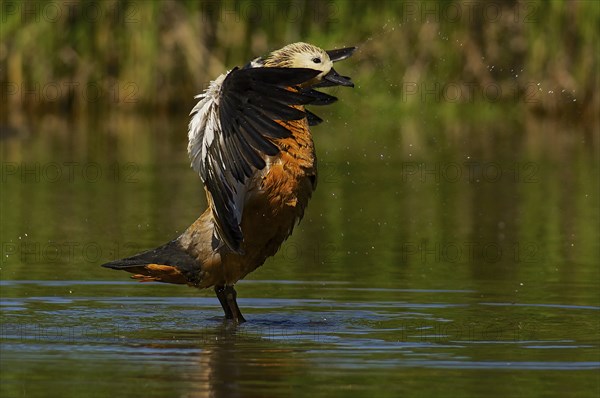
(252, 360)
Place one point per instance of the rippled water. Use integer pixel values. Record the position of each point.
(418, 269)
(66, 335)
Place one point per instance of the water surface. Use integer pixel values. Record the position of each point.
(434, 259)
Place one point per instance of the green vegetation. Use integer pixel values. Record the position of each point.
(145, 55)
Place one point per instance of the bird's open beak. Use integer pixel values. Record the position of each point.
(340, 53)
(334, 79)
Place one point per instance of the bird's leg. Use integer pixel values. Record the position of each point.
(222, 296)
(227, 297)
(231, 295)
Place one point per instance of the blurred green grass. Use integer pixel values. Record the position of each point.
(505, 58)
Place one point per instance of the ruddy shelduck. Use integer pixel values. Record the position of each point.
(249, 140)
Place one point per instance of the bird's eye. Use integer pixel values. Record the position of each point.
(316, 60)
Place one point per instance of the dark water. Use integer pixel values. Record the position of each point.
(435, 259)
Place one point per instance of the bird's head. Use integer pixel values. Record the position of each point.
(304, 55)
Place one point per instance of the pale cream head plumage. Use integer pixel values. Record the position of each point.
(300, 55)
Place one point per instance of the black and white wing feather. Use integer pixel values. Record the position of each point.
(231, 133)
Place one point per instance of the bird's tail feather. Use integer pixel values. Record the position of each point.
(168, 263)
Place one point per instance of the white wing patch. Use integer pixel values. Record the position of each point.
(204, 128)
(204, 125)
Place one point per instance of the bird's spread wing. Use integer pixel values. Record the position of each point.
(231, 131)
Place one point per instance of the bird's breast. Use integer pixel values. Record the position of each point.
(289, 178)
(276, 200)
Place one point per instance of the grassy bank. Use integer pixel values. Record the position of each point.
(73, 57)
